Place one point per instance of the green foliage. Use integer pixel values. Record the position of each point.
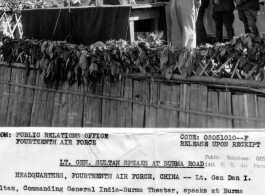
(59, 61)
(15, 6)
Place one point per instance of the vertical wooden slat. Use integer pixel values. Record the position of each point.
(146, 99)
(114, 104)
(106, 105)
(29, 98)
(203, 104)
(212, 122)
(244, 105)
(194, 101)
(39, 104)
(151, 112)
(215, 106)
(238, 110)
(175, 103)
(56, 110)
(261, 111)
(184, 104)
(36, 102)
(162, 120)
(14, 97)
(18, 89)
(97, 106)
(121, 105)
(138, 110)
(11, 100)
(125, 108)
(50, 107)
(45, 105)
(88, 109)
(250, 109)
(77, 110)
(168, 104)
(63, 109)
(198, 102)
(5, 98)
(71, 115)
(75, 107)
(225, 109)
(210, 109)
(128, 94)
(21, 100)
(72, 107)
(235, 110)
(42, 108)
(35, 108)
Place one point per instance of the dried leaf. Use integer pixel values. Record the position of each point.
(223, 52)
(189, 61)
(190, 69)
(43, 47)
(169, 72)
(127, 61)
(93, 67)
(253, 51)
(240, 46)
(76, 68)
(142, 56)
(99, 44)
(137, 62)
(69, 74)
(113, 68)
(106, 57)
(171, 58)
(42, 76)
(249, 43)
(83, 62)
(38, 64)
(42, 61)
(262, 76)
(78, 53)
(184, 72)
(51, 48)
(243, 62)
(163, 72)
(182, 59)
(157, 35)
(198, 70)
(211, 52)
(246, 39)
(163, 58)
(109, 58)
(49, 69)
(66, 55)
(176, 65)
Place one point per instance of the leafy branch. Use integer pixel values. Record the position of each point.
(15, 6)
(59, 61)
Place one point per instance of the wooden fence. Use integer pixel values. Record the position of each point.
(27, 101)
